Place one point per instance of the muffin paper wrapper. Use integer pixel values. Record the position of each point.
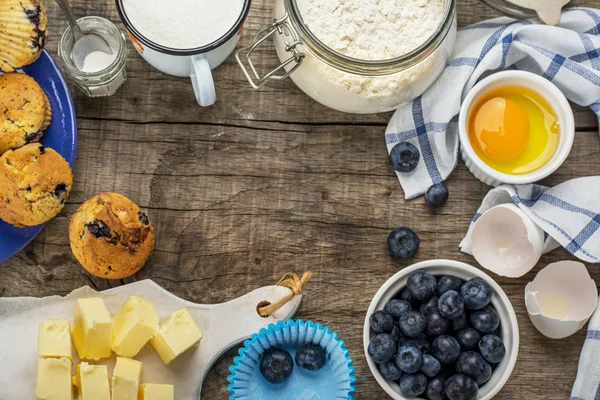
(334, 381)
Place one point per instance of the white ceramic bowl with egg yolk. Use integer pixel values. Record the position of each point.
(546, 89)
(509, 329)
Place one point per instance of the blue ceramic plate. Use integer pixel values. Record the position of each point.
(335, 381)
(60, 136)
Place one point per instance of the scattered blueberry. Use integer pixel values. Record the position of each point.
(396, 334)
(436, 196)
(476, 294)
(435, 389)
(381, 322)
(431, 366)
(451, 305)
(311, 356)
(446, 283)
(472, 365)
(422, 285)
(468, 339)
(486, 320)
(436, 324)
(461, 322)
(382, 348)
(390, 371)
(405, 157)
(429, 306)
(445, 348)
(413, 384)
(409, 359)
(461, 387)
(492, 348)
(276, 365)
(397, 307)
(403, 243)
(412, 323)
(421, 342)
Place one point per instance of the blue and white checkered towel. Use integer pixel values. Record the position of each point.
(569, 214)
(567, 54)
(587, 384)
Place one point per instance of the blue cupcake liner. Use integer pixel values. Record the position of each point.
(335, 381)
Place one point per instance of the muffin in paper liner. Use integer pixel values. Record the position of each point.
(334, 381)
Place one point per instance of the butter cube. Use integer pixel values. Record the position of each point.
(126, 379)
(92, 329)
(53, 380)
(92, 382)
(153, 391)
(176, 335)
(133, 326)
(54, 338)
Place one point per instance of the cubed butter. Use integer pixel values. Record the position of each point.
(92, 329)
(153, 391)
(133, 326)
(126, 379)
(53, 380)
(178, 334)
(54, 338)
(92, 382)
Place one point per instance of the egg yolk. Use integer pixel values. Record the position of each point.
(501, 128)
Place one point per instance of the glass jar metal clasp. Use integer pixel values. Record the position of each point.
(280, 27)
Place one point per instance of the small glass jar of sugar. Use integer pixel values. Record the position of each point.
(102, 74)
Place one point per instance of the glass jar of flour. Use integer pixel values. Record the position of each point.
(357, 57)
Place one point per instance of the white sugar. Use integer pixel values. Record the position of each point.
(97, 61)
(183, 24)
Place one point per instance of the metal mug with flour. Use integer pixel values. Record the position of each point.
(196, 61)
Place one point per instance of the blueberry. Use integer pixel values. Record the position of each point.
(486, 320)
(435, 389)
(397, 307)
(461, 387)
(445, 348)
(405, 157)
(421, 342)
(311, 356)
(406, 296)
(409, 359)
(143, 218)
(421, 285)
(276, 365)
(476, 293)
(99, 229)
(431, 366)
(492, 348)
(413, 384)
(382, 348)
(403, 243)
(451, 305)
(429, 306)
(412, 323)
(472, 365)
(381, 322)
(390, 371)
(486, 376)
(446, 283)
(436, 196)
(436, 324)
(468, 339)
(461, 322)
(396, 334)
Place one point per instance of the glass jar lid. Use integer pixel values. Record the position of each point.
(547, 10)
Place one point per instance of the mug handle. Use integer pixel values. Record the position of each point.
(202, 81)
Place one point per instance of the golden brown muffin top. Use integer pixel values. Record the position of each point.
(23, 104)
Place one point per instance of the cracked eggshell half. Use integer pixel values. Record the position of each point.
(561, 299)
(506, 241)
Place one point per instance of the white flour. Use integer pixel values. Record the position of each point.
(372, 29)
(183, 24)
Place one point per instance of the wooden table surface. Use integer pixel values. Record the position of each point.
(266, 182)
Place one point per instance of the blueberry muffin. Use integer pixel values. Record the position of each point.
(25, 111)
(23, 33)
(110, 236)
(35, 182)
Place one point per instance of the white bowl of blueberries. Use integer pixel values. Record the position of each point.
(441, 329)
